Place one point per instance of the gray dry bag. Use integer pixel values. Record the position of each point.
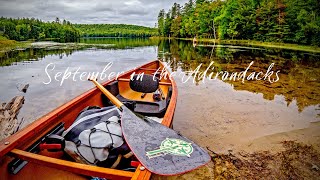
(95, 137)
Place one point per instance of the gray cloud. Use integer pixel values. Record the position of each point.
(140, 12)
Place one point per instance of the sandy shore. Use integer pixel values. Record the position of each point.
(289, 155)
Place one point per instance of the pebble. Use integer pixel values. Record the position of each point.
(315, 167)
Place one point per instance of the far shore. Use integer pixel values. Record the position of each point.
(8, 45)
(296, 47)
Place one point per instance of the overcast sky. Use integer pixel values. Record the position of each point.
(139, 12)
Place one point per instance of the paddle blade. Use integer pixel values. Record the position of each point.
(144, 84)
(160, 149)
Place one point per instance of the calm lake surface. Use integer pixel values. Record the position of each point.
(218, 114)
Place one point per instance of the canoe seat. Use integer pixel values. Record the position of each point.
(146, 108)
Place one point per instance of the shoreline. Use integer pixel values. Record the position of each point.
(288, 155)
(9, 45)
(295, 47)
(253, 43)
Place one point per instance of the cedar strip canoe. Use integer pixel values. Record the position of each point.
(51, 165)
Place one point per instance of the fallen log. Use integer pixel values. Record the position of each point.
(9, 122)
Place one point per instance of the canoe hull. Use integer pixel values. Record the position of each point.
(40, 169)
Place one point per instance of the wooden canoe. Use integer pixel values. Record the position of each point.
(50, 165)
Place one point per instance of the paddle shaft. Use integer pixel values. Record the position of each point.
(111, 97)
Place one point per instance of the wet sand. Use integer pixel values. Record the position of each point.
(289, 155)
(293, 154)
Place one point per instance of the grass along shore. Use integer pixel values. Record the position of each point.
(8, 45)
(313, 49)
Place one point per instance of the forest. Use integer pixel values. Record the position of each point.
(115, 30)
(30, 28)
(22, 29)
(288, 21)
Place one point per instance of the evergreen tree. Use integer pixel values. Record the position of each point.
(25, 28)
(291, 21)
(161, 22)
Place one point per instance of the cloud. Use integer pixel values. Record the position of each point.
(140, 12)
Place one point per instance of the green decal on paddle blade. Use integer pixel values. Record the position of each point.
(172, 146)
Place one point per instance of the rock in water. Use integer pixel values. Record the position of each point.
(23, 88)
(8, 116)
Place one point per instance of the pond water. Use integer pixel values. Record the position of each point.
(230, 115)
(219, 114)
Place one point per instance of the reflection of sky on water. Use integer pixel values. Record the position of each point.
(41, 98)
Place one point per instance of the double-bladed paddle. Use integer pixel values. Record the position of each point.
(159, 149)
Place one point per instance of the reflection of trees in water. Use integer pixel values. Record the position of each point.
(122, 43)
(299, 71)
(11, 57)
(28, 55)
(223, 55)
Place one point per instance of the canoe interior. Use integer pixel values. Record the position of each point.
(37, 168)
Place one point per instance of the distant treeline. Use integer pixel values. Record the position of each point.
(24, 28)
(115, 30)
(291, 21)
